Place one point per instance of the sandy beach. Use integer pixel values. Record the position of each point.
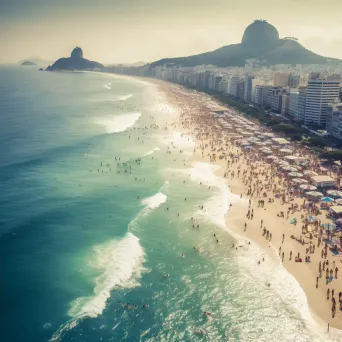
(254, 178)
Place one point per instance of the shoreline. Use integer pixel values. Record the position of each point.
(305, 274)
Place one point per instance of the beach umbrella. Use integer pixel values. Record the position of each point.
(310, 173)
(338, 201)
(312, 218)
(307, 187)
(329, 226)
(288, 168)
(299, 180)
(314, 194)
(295, 174)
(285, 150)
(339, 222)
(334, 193)
(327, 199)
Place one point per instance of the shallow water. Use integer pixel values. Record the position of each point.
(77, 237)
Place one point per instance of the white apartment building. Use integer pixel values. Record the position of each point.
(334, 120)
(285, 102)
(247, 96)
(234, 86)
(293, 106)
(320, 92)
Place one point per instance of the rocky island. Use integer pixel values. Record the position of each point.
(74, 62)
(25, 63)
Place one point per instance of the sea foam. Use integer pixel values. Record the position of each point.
(217, 205)
(119, 263)
(151, 152)
(118, 123)
(154, 201)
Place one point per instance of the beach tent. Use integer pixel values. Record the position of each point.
(307, 187)
(295, 174)
(327, 199)
(314, 194)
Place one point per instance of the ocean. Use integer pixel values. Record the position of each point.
(93, 216)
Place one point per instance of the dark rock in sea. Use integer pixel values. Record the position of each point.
(260, 42)
(41, 69)
(28, 63)
(75, 62)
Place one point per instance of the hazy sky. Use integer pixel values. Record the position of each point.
(113, 31)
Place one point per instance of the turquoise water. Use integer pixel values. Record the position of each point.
(89, 218)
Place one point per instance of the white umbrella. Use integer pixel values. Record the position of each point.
(334, 193)
(308, 187)
(288, 168)
(295, 174)
(314, 194)
(285, 150)
(299, 180)
(310, 173)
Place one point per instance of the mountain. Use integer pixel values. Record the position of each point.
(74, 62)
(28, 63)
(260, 41)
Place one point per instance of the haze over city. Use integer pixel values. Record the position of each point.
(131, 31)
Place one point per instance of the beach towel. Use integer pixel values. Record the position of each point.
(293, 220)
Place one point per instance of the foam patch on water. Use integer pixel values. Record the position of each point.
(108, 86)
(118, 123)
(216, 207)
(151, 152)
(154, 201)
(122, 98)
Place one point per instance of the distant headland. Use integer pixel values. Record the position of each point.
(74, 62)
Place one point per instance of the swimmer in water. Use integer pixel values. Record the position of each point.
(166, 275)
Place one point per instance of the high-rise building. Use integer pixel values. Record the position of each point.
(241, 89)
(281, 79)
(293, 106)
(301, 103)
(261, 95)
(274, 98)
(320, 93)
(234, 86)
(334, 120)
(248, 88)
(294, 81)
(285, 102)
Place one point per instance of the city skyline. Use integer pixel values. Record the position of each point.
(131, 31)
